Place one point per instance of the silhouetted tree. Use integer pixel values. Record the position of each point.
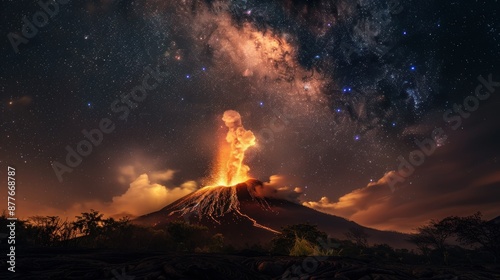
(115, 233)
(473, 230)
(89, 223)
(48, 230)
(434, 236)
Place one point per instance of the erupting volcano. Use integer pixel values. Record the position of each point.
(246, 209)
(230, 177)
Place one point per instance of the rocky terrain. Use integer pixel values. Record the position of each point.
(91, 264)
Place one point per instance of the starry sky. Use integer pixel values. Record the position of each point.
(335, 91)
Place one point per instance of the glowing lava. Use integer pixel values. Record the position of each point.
(230, 169)
(230, 177)
(215, 202)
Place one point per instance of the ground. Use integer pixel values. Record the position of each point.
(105, 264)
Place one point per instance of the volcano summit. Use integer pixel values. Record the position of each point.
(215, 202)
(244, 215)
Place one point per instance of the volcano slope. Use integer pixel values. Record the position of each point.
(245, 217)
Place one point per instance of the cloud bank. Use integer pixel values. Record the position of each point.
(418, 200)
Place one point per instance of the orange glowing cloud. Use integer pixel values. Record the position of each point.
(280, 187)
(358, 200)
(142, 196)
(412, 205)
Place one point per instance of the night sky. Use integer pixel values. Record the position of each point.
(335, 92)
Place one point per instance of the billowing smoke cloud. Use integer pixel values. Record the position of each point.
(162, 176)
(279, 187)
(126, 174)
(143, 195)
(232, 170)
(356, 201)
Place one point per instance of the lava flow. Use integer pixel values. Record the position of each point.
(230, 177)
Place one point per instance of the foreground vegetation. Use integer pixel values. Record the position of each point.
(452, 240)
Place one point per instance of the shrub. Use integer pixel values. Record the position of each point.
(302, 247)
(283, 243)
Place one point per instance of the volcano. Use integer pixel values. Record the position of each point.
(244, 216)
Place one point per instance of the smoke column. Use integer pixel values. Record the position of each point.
(232, 170)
